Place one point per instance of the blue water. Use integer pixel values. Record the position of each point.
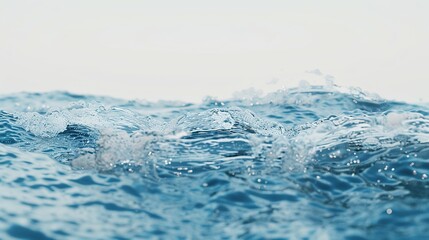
(316, 162)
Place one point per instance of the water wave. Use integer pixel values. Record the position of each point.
(316, 162)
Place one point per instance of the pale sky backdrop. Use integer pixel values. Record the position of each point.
(188, 49)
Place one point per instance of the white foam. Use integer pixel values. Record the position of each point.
(115, 147)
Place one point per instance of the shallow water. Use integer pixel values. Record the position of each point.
(308, 163)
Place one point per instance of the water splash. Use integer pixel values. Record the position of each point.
(313, 162)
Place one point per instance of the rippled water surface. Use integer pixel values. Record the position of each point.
(307, 163)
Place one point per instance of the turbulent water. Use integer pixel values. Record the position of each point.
(308, 163)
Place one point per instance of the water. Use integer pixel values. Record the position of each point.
(316, 162)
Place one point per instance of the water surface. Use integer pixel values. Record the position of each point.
(308, 163)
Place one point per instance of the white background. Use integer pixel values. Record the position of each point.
(188, 49)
